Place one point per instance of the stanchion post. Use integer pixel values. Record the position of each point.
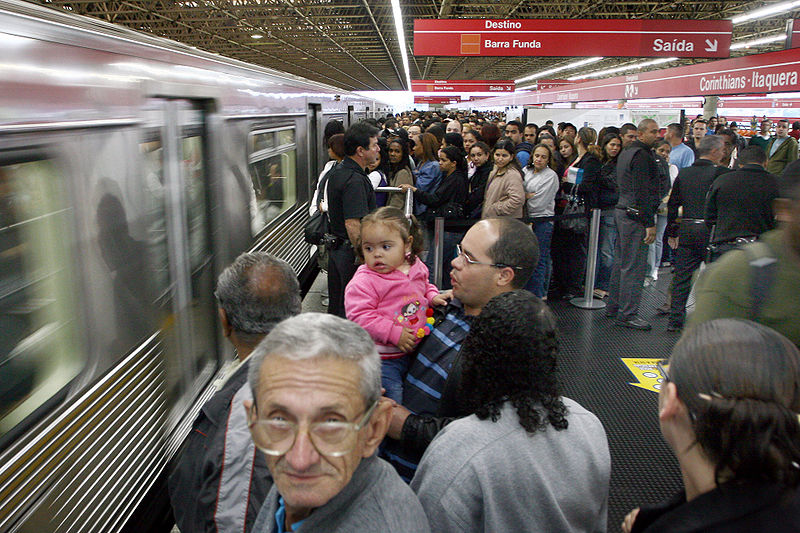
(588, 301)
(437, 250)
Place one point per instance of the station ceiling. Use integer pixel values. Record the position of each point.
(353, 44)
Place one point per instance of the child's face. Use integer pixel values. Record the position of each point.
(383, 247)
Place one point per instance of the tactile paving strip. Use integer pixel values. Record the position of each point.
(643, 468)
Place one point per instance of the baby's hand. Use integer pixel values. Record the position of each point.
(442, 298)
(407, 340)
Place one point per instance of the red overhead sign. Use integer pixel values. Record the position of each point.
(573, 37)
(770, 72)
(792, 34)
(463, 86)
(435, 100)
(551, 84)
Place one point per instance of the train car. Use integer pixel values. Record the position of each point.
(132, 170)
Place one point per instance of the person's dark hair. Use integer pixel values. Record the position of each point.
(333, 127)
(607, 138)
(516, 246)
(516, 123)
(549, 155)
(569, 125)
(256, 292)
(752, 154)
(404, 161)
(383, 164)
(456, 155)
(676, 129)
(359, 134)
(508, 145)
(510, 355)
(740, 382)
(371, 121)
(483, 146)
(532, 125)
(454, 139)
(708, 144)
(491, 134)
(474, 133)
(784, 121)
(437, 131)
(796, 125)
(661, 142)
(700, 120)
(612, 129)
(336, 144)
(546, 129)
(395, 219)
(390, 123)
(625, 128)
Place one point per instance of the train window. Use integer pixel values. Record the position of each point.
(40, 349)
(273, 171)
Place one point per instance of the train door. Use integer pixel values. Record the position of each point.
(316, 152)
(349, 116)
(176, 159)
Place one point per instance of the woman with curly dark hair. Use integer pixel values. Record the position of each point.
(527, 459)
(729, 410)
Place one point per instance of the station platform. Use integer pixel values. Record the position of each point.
(593, 373)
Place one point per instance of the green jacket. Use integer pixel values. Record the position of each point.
(723, 290)
(785, 154)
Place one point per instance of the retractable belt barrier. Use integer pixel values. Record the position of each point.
(440, 226)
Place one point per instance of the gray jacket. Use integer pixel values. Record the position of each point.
(479, 475)
(375, 499)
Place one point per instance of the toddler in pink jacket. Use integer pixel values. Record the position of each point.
(390, 295)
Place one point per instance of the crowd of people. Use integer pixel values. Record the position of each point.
(412, 407)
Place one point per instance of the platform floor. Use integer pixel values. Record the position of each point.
(643, 469)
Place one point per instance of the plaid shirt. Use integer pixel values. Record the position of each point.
(427, 375)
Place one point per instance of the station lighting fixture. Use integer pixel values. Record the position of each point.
(766, 12)
(538, 75)
(401, 38)
(257, 36)
(759, 42)
(623, 68)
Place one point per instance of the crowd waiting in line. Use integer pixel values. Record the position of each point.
(472, 431)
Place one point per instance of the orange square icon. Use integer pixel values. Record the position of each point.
(471, 43)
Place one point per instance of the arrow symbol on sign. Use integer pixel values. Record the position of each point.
(711, 46)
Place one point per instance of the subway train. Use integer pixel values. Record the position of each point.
(133, 169)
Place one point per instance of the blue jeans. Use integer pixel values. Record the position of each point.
(393, 373)
(654, 252)
(605, 250)
(540, 279)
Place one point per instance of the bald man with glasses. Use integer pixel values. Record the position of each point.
(318, 417)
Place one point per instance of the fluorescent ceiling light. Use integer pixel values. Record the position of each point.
(758, 42)
(401, 38)
(623, 68)
(538, 75)
(257, 36)
(766, 12)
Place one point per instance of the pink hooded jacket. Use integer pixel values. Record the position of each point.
(384, 304)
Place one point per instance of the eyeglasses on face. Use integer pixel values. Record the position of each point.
(276, 436)
(470, 261)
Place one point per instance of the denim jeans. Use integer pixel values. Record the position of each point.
(605, 250)
(393, 373)
(540, 279)
(654, 252)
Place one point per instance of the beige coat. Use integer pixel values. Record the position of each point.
(505, 194)
(398, 199)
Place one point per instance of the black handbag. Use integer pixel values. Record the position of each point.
(316, 228)
(574, 207)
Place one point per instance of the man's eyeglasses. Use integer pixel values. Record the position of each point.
(662, 367)
(471, 261)
(276, 436)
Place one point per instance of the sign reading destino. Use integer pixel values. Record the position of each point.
(573, 37)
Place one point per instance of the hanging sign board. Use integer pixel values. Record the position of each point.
(435, 100)
(463, 86)
(573, 37)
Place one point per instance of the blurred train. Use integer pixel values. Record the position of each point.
(132, 170)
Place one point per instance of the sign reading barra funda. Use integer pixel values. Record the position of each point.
(573, 37)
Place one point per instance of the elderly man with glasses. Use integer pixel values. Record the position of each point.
(496, 255)
(318, 416)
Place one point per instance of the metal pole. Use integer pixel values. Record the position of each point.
(409, 205)
(437, 250)
(588, 301)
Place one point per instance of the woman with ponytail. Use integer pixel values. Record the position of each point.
(728, 408)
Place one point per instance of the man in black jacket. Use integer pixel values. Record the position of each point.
(689, 234)
(219, 480)
(350, 198)
(739, 204)
(637, 179)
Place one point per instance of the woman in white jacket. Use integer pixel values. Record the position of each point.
(541, 185)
